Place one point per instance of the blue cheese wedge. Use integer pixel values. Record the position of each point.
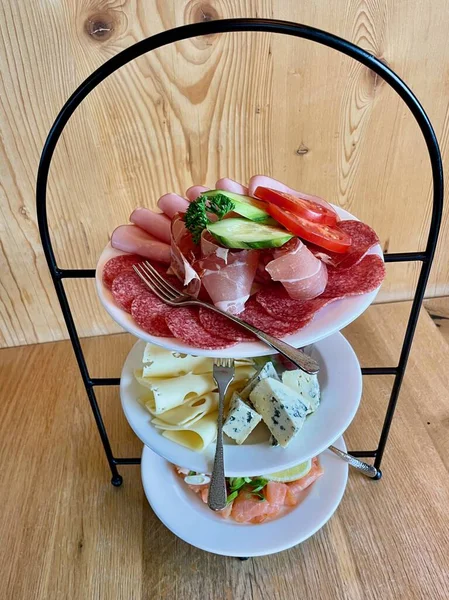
(280, 408)
(306, 386)
(267, 370)
(241, 419)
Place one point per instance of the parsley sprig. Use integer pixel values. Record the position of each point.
(197, 215)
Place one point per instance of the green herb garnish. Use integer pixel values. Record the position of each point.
(191, 473)
(197, 217)
(232, 497)
(256, 486)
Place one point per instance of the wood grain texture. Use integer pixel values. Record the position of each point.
(67, 533)
(438, 309)
(232, 104)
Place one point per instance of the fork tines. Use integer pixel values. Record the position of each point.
(224, 362)
(162, 288)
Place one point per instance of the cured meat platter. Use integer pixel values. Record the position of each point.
(350, 288)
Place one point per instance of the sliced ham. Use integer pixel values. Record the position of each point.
(183, 254)
(274, 184)
(156, 224)
(229, 185)
(170, 204)
(196, 190)
(227, 275)
(133, 239)
(302, 274)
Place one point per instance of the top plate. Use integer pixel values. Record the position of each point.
(330, 319)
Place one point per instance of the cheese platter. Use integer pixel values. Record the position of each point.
(176, 417)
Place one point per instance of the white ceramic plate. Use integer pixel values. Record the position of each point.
(341, 388)
(181, 511)
(330, 319)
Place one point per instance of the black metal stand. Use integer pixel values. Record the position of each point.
(237, 25)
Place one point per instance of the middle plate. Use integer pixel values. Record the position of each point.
(341, 389)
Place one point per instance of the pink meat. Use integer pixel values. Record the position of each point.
(155, 224)
(126, 287)
(133, 239)
(263, 181)
(196, 190)
(366, 276)
(213, 322)
(303, 276)
(183, 254)
(229, 185)
(209, 244)
(256, 315)
(228, 276)
(363, 238)
(265, 257)
(170, 204)
(278, 304)
(117, 265)
(184, 324)
(149, 313)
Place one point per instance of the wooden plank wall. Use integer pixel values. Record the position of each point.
(234, 104)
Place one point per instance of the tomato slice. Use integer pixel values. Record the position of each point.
(307, 209)
(324, 236)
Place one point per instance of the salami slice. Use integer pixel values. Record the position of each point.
(364, 277)
(277, 303)
(184, 323)
(256, 315)
(216, 323)
(149, 313)
(119, 264)
(125, 287)
(363, 238)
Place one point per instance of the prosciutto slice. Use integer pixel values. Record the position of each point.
(183, 254)
(264, 181)
(227, 275)
(302, 274)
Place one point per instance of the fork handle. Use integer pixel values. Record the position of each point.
(298, 357)
(365, 468)
(217, 498)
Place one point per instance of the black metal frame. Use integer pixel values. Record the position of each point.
(223, 26)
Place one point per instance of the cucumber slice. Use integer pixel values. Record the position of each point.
(247, 207)
(241, 233)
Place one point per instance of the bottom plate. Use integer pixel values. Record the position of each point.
(181, 511)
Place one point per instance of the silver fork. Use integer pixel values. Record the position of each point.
(223, 372)
(174, 297)
(360, 465)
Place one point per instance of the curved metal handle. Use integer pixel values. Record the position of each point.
(298, 357)
(364, 467)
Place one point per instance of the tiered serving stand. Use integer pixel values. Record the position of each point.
(221, 26)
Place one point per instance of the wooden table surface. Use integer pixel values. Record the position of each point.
(67, 533)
